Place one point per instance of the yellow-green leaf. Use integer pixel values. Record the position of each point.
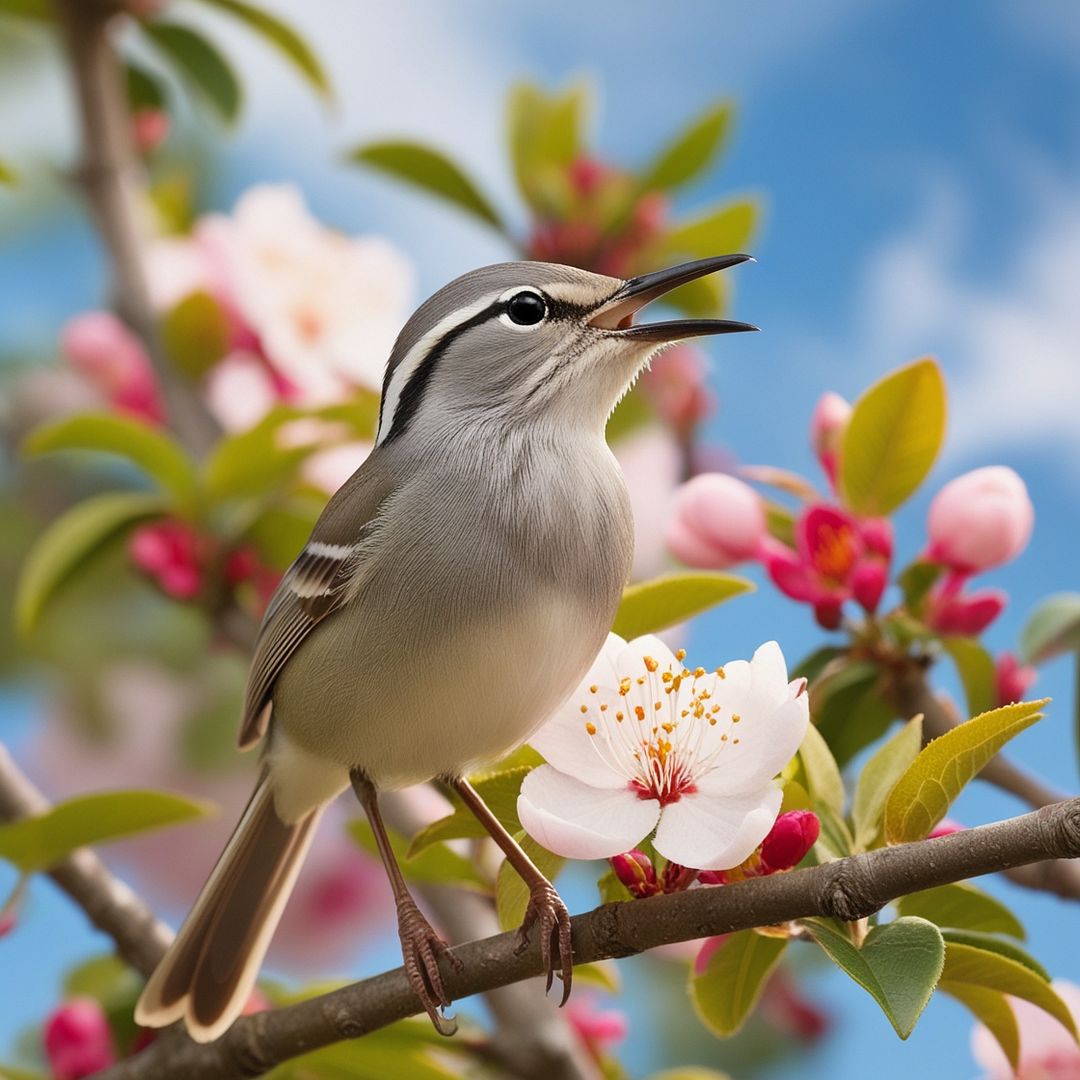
(964, 907)
(8, 177)
(691, 151)
(884, 768)
(664, 601)
(431, 171)
(892, 439)
(899, 964)
(975, 666)
(992, 1008)
(603, 975)
(201, 65)
(35, 843)
(511, 893)
(726, 991)
(726, 229)
(966, 964)
(69, 541)
(544, 135)
(282, 37)
(195, 333)
(922, 796)
(151, 450)
(824, 782)
(436, 864)
(256, 461)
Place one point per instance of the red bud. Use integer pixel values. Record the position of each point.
(635, 870)
(790, 838)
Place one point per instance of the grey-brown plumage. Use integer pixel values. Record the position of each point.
(453, 592)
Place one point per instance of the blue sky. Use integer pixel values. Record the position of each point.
(920, 168)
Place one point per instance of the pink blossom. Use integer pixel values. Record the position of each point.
(950, 610)
(103, 349)
(77, 1040)
(150, 128)
(586, 174)
(598, 1029)
(837, 558)
(716, 522)
(980, 520)
(676, 384)
(786, 1007)
(1012, 680)
(173, 553)
(827, 425)
(793, 834)
(1048, 1051)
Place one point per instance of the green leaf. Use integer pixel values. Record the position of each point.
(254, 462)
(664, 601)
(282, 530)
(725, 993)
(37, 10)
(822, 775)
(69, 541)
(144, 91)
(511, 893)
(603, 975)
(611, 889)
(850, 708)
(11, 1072)
(835, 841)
(282, 37)
(499, 791)
(992, 1008)
(436, 864)
(977, 939)
(727, 229)
(922, 796)
(691, 151)
(899, 964)
(35, 843)
(892, 439)
(430, 170)
(8, 177)
(703, 298)
(915, 581)
(200, 64)
(1052, 628)
(876, 780)
(195, 333)
(780, 522)
(975, 666)
(967, 964)
(544, 135)
(151, 450)
(630, 415)
(964, 907)
(811, 667)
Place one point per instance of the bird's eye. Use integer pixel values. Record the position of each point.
(526, 308)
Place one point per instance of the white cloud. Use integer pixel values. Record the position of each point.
(1008, 334)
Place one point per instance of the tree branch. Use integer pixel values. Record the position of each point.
(110, 905)
(847, 889)
(111, 178)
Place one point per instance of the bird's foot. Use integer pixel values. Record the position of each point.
(547, 909)
(421, 949)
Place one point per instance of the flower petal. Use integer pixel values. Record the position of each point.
(631, 658)
(707, 832)
(579, 821)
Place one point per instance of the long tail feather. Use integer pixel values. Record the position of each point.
(209, 971)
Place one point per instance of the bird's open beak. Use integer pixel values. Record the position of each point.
(616, 314)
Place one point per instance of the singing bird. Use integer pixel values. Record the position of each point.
(452, 594)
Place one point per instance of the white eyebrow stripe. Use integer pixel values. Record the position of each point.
(415, 357)
(329, 551)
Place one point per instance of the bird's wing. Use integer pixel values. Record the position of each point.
(315, 585)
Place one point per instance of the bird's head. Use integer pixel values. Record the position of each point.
(527, 341)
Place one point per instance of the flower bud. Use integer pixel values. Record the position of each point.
(945, 827)
(793, 834)
(77, 1039)
(877, 535)
(172, 553)
(587, 174)
(829, 614)
(964, 614)
(827, 424)
(980, 520)
(676, 386)
(1012, 680)
(716, 521)
(635, 870)
(598, 1029)
(868, 582)
(150, 128)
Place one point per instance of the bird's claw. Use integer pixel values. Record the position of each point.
(421, 950)
(547, 909)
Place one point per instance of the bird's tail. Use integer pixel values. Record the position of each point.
(208, 973)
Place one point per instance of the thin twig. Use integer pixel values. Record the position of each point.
(847, 889)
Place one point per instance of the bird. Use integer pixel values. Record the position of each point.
(451, 596)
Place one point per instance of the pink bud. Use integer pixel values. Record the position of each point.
(964, 614)
(868, 583)
(1012, 679)
(827, 424)
(829, 614)
(587, 174)
(598, 1029)
(103, 349)
(172, 553)
(980, 520)
(78, 1041)
(946, 827)
(676, 386)
(150, 128)
(635, 870)
(793, 834)
(716, 521)
(713, 877)
(649, 215)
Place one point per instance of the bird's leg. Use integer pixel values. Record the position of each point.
(545, 904)
(421, 946)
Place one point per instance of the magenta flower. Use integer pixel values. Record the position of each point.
(951, 611)
(77, 1040)
(837, 558)
(173, 554)
(1012, 680)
